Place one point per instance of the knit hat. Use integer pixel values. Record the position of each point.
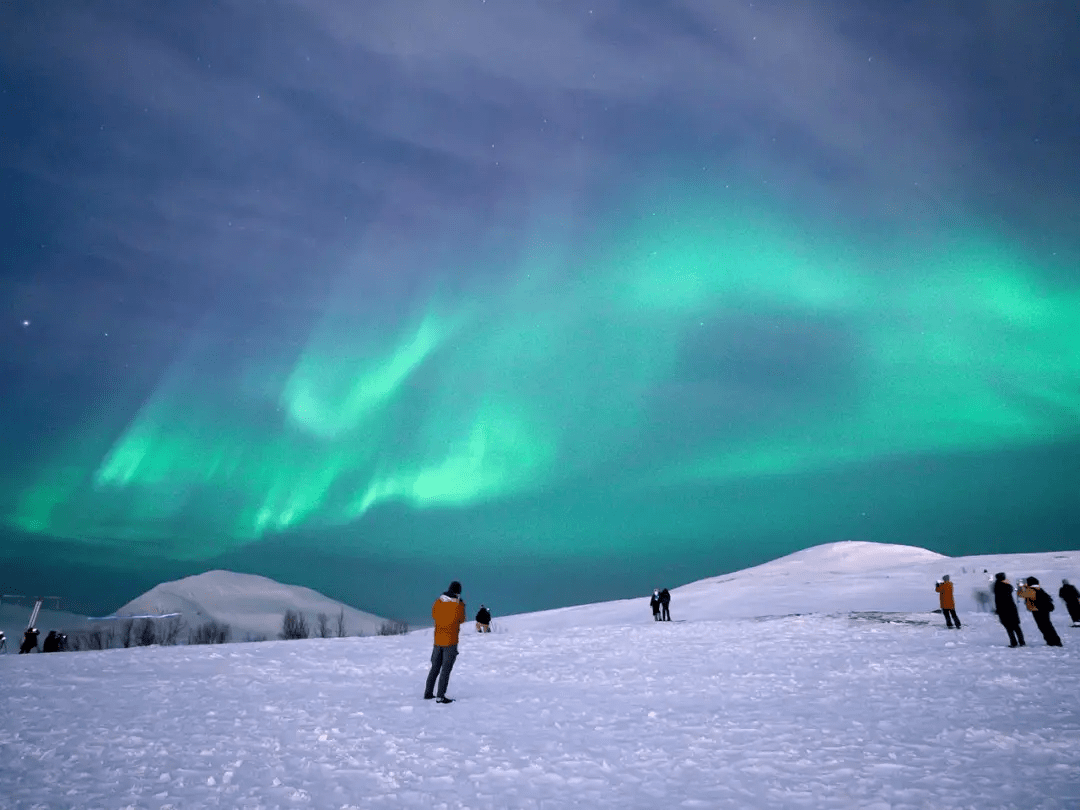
(1032, 581)
(455, 588)
(999, 576)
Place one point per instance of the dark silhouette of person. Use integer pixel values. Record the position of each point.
(948, 605)
(654, 603)
(1071, 597)
(3, 642)
(1007, 613)
(51, 642)
(29, 642)
(449, 614)
(1040, 604)
(483, 620)
(665, 603)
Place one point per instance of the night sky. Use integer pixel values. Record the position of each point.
(565, 300)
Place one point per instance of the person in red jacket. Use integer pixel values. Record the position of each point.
(948, 604)
(449, 614)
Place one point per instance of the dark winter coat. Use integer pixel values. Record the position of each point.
(483, 616)
(654, 603)
(29, 641)
(1069, 595)
(665, 597)
(51, 643)
(1004, 604)
(1043, 603)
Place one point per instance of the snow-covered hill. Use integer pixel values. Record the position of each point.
(251, 605)
(775, 687)
(831, 578)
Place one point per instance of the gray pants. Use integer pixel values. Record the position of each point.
(442, 661)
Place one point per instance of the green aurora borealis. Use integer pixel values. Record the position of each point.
(563, 301)
(809, 353)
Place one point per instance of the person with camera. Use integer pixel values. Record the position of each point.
(449, 614)
(948, 605)
(1007, 613)
(1040, 604)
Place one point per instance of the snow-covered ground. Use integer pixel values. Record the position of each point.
(874, 706)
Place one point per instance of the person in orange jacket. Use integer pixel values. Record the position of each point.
(948, 604)
(449, 614)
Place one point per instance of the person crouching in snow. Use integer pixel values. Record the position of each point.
(948, 605)
(449, 614)
(483, 620)
(1040, 604)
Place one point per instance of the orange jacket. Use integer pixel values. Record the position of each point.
(945, 590)
(1028, 592)
(449, 614)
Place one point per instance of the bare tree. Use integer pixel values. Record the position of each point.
(169, 630)
(127, 634)
(393, 628)
(294, 625)
(146, 633)
(108, 635)
(323, 625)
(210, 633)
(341, 623)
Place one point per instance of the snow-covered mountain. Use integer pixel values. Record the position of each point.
(251, 605)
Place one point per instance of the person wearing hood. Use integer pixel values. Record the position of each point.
(948, 605)
(654, 603)
(1007, 613)
(1040, 604)
(483, 620)
(29, 642)
(449, 614)
(1071, 597)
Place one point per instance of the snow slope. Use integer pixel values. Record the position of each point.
(831, 578)
(251, 605)
(875, 709)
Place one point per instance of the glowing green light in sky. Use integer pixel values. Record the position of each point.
(560, 378)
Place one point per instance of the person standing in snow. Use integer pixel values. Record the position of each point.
(51, 643)
(483, 620)
(1007, 613)
(449, 614)
(665, 603)
(1071, 597)
(654, 603)
(948, 605)
(29, 642)
(1040, 604)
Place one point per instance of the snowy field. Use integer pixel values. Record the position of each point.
(864, 709)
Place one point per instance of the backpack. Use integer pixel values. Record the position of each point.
(1043, 601)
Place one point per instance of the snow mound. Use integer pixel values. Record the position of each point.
(252, 606)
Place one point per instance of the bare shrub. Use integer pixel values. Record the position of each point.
(127, 635)
(210, 633)
(341, 623)
(323, 622)
(108, 636)
(393, 628)
(294, 626)
(169, 630)
(145, 633)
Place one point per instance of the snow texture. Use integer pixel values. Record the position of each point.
(810, 682)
